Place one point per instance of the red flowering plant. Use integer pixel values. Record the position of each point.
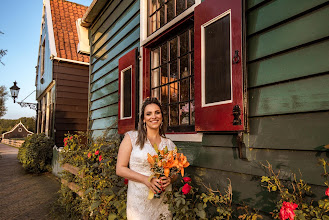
(295, 196)
(185, 201)
(104, 193)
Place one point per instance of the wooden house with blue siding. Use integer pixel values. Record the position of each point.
(62, 74)
(241, 82)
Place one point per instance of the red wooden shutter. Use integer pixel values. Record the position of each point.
(218, 115)
(127, 102)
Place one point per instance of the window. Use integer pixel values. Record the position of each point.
(126, 93)
(172, 80)
(43, 48)
(160, 12)
(19, 129)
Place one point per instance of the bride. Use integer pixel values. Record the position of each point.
(133, 152)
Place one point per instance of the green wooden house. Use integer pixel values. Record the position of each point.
(242, 82)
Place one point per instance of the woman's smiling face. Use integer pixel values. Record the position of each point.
(152, 116)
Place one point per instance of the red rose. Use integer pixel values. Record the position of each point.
(126, 181)
(97, 152)
(287, 211)
(89, 155)
(187, 179)
(327, 192)
(100, 158)
(186, 189)
(71, 137)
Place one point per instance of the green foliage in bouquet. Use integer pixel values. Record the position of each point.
(104, 193)
(36, 152)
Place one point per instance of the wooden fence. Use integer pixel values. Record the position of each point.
(14, 143)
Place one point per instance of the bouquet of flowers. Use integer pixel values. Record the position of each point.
(166, 163)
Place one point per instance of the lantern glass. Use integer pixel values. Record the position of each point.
(14, 90)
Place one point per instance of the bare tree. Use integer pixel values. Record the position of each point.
(2, 52)
(3, 98)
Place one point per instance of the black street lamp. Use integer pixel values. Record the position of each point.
(14, 90)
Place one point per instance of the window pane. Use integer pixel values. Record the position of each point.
(173, 71)
(190, 3)
(165, 114)
(184, 48)
(184, 113)
(192, 38)
(184, 89)
(164, 74)
(192, 63)
(192, 87)
(152, 23)
(152, 6)
(184, 66)
(173, 48)
(156, 93)
(164, 53)
(155, 56)
(173, 115)
(217, 61)
(164, 94)
(173, 92)
(192, 122)
(162, 16)
(170, 10)
(180, 6)
(127, 93)
(155, 78)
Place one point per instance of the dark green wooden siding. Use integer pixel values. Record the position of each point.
(288, 99)
(114, 33)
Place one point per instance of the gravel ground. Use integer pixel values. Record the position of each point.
(24, 195)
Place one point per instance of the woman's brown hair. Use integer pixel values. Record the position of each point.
(142, 133)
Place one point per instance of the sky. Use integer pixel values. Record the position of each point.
(20, 21)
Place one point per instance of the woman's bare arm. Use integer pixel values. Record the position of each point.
(123, 170)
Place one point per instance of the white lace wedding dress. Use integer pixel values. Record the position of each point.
(138, 206)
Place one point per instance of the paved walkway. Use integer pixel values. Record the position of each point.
(23, 195)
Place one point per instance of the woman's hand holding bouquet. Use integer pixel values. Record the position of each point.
(164, 165)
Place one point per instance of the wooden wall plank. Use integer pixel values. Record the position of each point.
(62, 82)
(65, 68)
(103, 123)
(110, 88)
(284, 37)
(71, 101)
(116, 11)
(72, 95)
(218, 140)
(227, 159)
(108, 78)
(61, 88)
(133, 38)
(104, 112)
(302, 62)
(116, 33)
(108, 100)
(300, 131)
(98, 133)
(310, 94)
(107, 68)
(72, 77)
(70, 115)
(268, 15)
(252, 3)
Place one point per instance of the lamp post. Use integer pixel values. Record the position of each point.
(14, 90)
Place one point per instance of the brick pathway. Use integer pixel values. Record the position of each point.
(23, 195)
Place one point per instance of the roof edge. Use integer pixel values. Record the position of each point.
(51, 36)
(92, 12)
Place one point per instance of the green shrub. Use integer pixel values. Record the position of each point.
(36, 152)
